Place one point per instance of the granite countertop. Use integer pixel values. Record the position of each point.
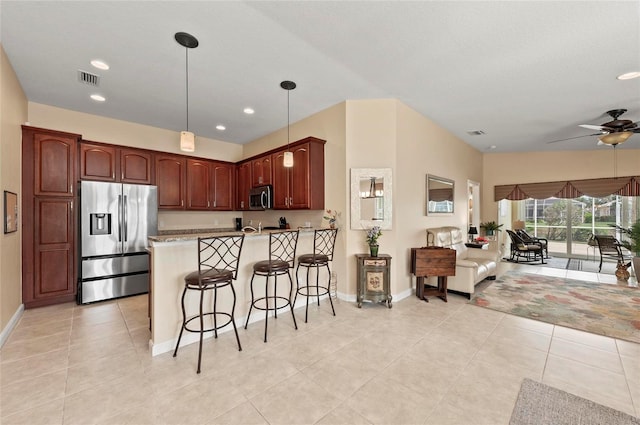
(193, 234)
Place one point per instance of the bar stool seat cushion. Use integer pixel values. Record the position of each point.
(267, 266)
(313, 259)
(210, 277)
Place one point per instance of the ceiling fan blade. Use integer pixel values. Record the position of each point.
(594, 127)
(577, 137)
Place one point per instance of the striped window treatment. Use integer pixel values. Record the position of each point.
(596, 188)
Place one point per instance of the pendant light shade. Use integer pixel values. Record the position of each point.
(288, 159)
(288, 155)
(187, 138)
(187, 141)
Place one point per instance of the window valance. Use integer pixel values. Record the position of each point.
(596, 188)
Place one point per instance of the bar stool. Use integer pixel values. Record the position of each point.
(218, 259)
(324, 241)
(282, 254)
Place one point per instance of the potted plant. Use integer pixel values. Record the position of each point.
(632, 243)
(372, 240)
(490, 227)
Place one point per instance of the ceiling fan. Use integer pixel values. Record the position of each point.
(611, 133)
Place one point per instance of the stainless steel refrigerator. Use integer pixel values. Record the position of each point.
(115, 222)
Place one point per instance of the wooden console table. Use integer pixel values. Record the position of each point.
(432, 261)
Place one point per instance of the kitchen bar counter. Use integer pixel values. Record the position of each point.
(173, 256)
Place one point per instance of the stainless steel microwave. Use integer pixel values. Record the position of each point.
(261, 198)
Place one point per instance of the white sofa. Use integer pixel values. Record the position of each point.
(473, 265)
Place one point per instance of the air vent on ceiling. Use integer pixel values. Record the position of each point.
(475, 132)
(88, 78)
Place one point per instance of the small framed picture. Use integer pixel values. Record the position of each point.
(10, 212)
(375, 281)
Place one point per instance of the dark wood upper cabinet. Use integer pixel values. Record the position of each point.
(222, 185)
(209, 185)
(243, 185)
(198, 185)
(97, 162)
(54, 164)
(136, 166)
(301, 186)
(170, 179)
(261, 171)
(111, 163)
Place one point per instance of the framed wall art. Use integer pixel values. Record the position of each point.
(10, 212)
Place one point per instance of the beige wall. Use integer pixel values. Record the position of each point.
(531, 167)
(386, 133)
(13, 112)
(425, 148)
(118, 132)
(328, 125)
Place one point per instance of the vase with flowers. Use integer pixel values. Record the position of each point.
(372, 240)
(332, 217)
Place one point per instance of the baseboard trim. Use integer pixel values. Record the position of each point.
(190, 338)
(4, 335)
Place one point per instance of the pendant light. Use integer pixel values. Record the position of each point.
(187, 138)
(288, 155)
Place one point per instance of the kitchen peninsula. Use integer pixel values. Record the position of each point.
(174, 256)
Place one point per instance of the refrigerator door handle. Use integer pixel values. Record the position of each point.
(119, 218)
(125, 221)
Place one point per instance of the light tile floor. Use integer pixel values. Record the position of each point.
(417, 363)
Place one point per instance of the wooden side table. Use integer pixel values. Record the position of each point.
(374, 278)
(432, 261)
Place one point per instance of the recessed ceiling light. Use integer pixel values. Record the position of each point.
(629, 75)
(99, 64)
(220, 127)
(98, 98)
(248, 111)
(492, 147)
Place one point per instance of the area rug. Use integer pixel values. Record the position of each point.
(603, 309)
(540, 404)
(608, 267)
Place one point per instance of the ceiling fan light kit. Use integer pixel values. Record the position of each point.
(615, 138)
(610, 133)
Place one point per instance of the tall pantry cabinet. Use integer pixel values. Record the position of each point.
(49, 216)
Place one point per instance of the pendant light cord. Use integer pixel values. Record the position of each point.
(615, 162)
(288, 137)
(187, 85)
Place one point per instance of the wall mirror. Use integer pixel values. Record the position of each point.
(440, 195)
(371, 198)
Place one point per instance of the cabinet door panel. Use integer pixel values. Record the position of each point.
(261, 171)
(198, 178)
(243, 184)
(170, 179)
(54, 248)
(97, 162)
(54, 165)
(280, 182)
(299, 181)
(222, 187)
(135, 166)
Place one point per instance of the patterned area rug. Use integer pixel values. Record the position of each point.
(609, 310)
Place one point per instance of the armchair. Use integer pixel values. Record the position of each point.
(609, 247)
(522, 249)
(527, 238)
